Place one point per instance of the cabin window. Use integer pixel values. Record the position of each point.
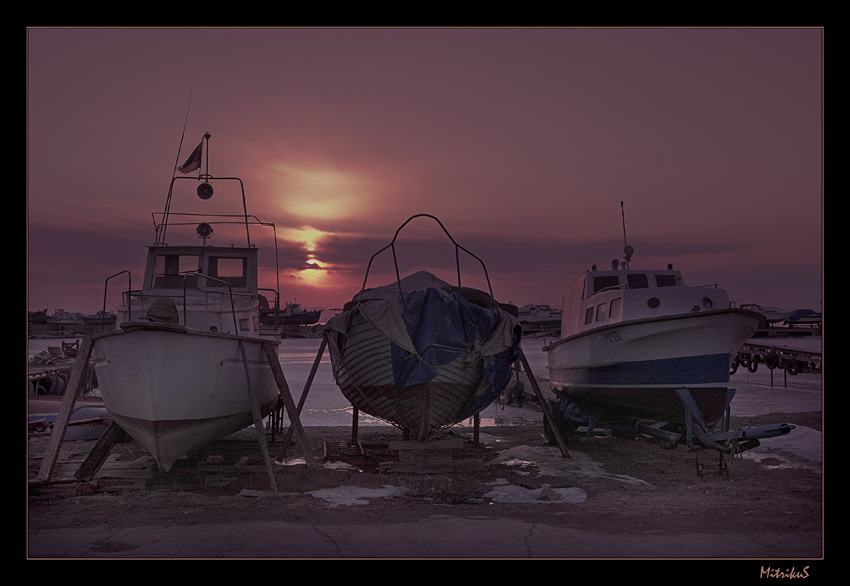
(600, 283)
(665, 280)
(601, 310)
(588, 316)
(244, 324)
(169, 271)
(616, 304)
(638, 281)
(230, 270)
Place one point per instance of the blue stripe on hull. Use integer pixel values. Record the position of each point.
(690, 370)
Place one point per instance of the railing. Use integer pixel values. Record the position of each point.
(162, 227)
(229, 290)
(130, 295)
(106, 287)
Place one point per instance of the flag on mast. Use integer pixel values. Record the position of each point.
(194, 160)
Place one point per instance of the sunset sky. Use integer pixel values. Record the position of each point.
(522, 141)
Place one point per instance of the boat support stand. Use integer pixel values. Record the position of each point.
(289, 404)
(695, 435)
(698, 436)
(547, 412)
(72, 391)
(544, 405)
(113, 433)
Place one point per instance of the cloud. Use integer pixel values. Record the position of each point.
(522, 141)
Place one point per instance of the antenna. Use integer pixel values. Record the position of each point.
(623, 212)
(628, 251)
(160, 238)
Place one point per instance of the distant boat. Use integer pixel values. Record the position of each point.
(538, 317)
(808, 317)
(292, 314)
(421, 354)
(786, 322)
(177, 372)
(772, 315)
(635, 342)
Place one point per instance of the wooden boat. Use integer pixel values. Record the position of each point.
(635, 342)
(421, 354)
(188, 357)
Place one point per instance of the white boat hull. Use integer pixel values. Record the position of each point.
(637, 365)
(173, 389)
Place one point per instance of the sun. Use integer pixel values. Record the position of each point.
(323, 192)
(307, 236)
(315, 272)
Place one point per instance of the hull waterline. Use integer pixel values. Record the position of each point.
(637, 367)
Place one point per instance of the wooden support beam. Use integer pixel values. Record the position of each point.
(72, 391)
(303, 399)
(547, 413)
(294, 417)
(258, 419)
(97, 455)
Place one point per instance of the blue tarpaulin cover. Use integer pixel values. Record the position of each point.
(432, 326)
(800, 314)
(441, 326)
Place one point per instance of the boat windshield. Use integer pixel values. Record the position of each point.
(169, 270)
(228, 269)
(665, 280)
(638, 281)
(605, 282)
(635, 280)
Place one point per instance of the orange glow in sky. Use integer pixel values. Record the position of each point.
(522, 141)
(324, 193)
(306, 236)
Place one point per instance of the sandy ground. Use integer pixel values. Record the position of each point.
(513, 495)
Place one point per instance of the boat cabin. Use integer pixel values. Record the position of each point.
(170, 269)
(213, 288)
(600, 298)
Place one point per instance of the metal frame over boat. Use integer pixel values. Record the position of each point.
(421, 354)
(189, 362)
